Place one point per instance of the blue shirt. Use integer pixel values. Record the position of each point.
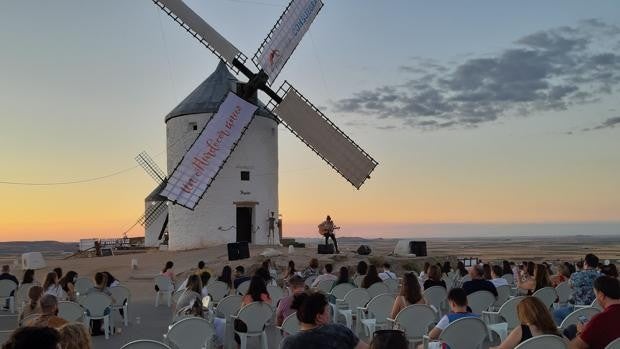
(583, 283)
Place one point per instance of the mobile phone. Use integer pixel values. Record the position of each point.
(582, 319)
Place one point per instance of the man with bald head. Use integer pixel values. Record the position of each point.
(49, 316)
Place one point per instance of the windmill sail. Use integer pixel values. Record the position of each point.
(204, 159)
(284, 37)
(202, 31)
(321, 135)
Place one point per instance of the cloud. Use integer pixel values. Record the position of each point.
(609, 123)
(547, 70)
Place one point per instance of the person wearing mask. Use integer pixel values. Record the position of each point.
(387, 273)
(410, 293)
(434, 278)
(325, 276)
(603, 328)
(371, 278)
(49, 314)
(478, 283)
(457, 298)
(535, 320)
(316, 330)
(51, 286)
(297, 286)
(581, 282)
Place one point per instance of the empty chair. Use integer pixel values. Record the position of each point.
(573, 317)
(436, 296)
(415, 321)
(392, 285)
(357, 297)
(242, 289)
(377, 288)
(191, 332)
(218, 290)
(564, 292)
(480, 301)
(503, 294)
(121, 296)
(545, 341)
(275, 293)
(509, 278)
(547, 295)
(145, 344)
(165, 289)
(614, 345)
(508, 313)
(83, 284)
(98, 306)
(375, 314)
(6, 287)
(340, 290)
(70, 311)
(325, 285)
(255, 316)
(465, 333)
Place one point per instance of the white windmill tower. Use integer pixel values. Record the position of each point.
(222, 142)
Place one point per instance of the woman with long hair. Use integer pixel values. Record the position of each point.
(446, 268)
(343, 276)
(461, 273)
(192, 293)
(535, 320)
(28, 277)
(539, 280)
(410, 293)
(257, 291)
(51, 286)
(68, 284)
(290, 270)
(168, 272)
(226, 276)
(33, 306)
(424, 273)
(506, 269)
(434, 278)
(487, 271)
(372, 277)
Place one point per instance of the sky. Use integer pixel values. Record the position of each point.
(485, 117)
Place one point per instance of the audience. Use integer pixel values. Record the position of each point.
(68, 285)
(168, 272)
(28, 277)
(506, 268)
(312, 269)
(257, 292)
(603, 328)
(192, 293)
(371, 278)
(581, 283)
(325, 276)
(477, 283)
(389, 339)
(446, 269)
(610, 270)
(461, 274)
(6, 275)
(434, 278)
(226, 276)
(266, 276)
(33, 307)
(204, 280)
(425, 270)
(297, 286)
(387, 273)
(496, 277)
(58, 272)
(535, 320)
(33, 337)
(202, 268)
(111, 281)
(290, 271)
(343, 277)
(360, 274)
(316, 330)
(49, 312)
(487, 271)
(457, 299)
(562, 275)
(51, 286)
(540, 280)
(74, 336)
(101, 284)
(410, 293)
(240, 276)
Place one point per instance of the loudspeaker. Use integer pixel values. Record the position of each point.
(238, 250)
(418, 248)
(325, 249)
(364, 250)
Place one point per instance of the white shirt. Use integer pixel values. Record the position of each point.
(387, 275)
(499, 282)
(57, 291)
(323, 277)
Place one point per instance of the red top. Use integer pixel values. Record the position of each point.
(603, 328)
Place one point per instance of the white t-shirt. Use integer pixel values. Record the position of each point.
(323, 277)
(57, 291)
(499, 282)
(387, 275)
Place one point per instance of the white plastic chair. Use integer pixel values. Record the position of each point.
(508, 313)
(573, 317)
(545, 341)
(83, 284)
(21, 296)
(547, 295)
(255, 316)
(377, 288)
(165, 289)
(145, 344)
(6, 287)
(290, 326)
(415, 321)
(436, 296)
(225, 309)
(564, 292)
(243, 287)
(464, 333)
(70, 311)
(503, 295)
(480, 301)
(375, 314)
(392, 285)
(275, 293)
(348, 306)
(340, 290)
(191, 332)
(510, 278)
(325, 285)
(96, 304)
(310, 280)
(218, 290)
(122, 297)
(614, 345)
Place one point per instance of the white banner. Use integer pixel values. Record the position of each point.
(199, 166)
(286, 35)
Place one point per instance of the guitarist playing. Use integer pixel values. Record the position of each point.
(327, 230)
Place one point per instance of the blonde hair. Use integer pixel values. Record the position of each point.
(532, 311)
(74, 336)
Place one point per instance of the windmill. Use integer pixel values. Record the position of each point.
(194, 174)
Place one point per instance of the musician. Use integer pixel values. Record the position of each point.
(327, 230)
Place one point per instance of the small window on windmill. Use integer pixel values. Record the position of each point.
(193, 126)
(245, 175)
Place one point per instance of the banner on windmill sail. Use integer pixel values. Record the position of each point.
(325, 138)
(286, 35)
(204, 159)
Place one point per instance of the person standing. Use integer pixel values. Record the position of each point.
(326, 228)
(271, 222)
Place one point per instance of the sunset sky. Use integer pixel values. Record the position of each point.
(491, 113)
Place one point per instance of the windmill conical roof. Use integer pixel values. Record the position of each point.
(207, 97)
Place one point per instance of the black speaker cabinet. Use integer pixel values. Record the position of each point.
(418, 248)
(326, 249)
(238, 250)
